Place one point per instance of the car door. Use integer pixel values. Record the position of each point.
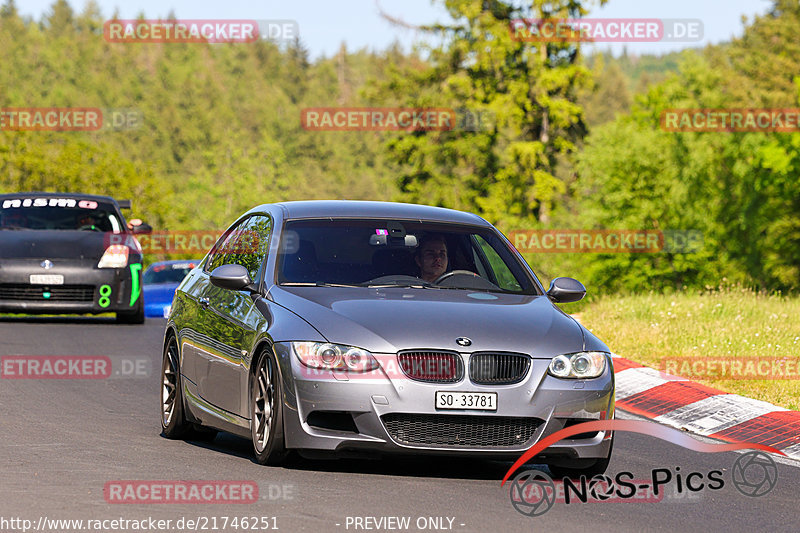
(229, 321)
(194, 306)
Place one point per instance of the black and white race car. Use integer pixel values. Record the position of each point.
(69, 253)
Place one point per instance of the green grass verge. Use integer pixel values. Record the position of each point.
(724, 324)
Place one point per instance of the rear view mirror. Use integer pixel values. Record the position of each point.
(384, 239)
(566, 290)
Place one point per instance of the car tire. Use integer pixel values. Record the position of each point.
(137, 317)
(266, 411)
(173, 422)
(596, 468)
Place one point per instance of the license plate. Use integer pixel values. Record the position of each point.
(479, 401)
(47, 279)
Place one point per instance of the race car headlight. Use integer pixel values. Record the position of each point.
(116, 256)
(579, 365)
(327, 356)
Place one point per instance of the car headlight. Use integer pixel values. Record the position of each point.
(116, 256)
(579, 365)
(327, 356)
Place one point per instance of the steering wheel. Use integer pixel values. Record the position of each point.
(453, 273)
(90, 227)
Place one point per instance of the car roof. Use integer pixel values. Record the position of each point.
(372, 209)
(39, 194)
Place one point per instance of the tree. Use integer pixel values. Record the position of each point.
(740, 189)
(61, 18)
(505, 171)
(609, 95)
(8, 10)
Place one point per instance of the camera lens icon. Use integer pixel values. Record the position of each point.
(755, 474)
(532, 493)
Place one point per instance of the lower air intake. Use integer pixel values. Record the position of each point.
(461, 431)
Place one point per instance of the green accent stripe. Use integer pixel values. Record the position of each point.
(135, 289)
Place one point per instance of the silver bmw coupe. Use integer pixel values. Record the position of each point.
(351, 328)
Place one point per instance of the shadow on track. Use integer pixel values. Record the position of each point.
(389, 465)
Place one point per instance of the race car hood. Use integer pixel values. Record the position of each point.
(393, 319)
(52, 244)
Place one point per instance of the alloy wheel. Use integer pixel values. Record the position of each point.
(169, 384)
(264, 403)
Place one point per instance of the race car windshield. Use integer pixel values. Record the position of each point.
(166, 274)
(58, 214)
(390, 253)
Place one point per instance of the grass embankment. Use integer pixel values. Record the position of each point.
(724, 325)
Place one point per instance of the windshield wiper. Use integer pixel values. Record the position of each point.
(410, 284)
(13, 227)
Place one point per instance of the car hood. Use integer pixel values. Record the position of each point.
(159, 292)
(393, 319)
(51, 244)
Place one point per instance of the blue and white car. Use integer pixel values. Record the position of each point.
(159, 283)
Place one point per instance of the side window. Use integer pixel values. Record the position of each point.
(246, 244)
(479, 265)
(220, 252)
(250, 245)
(505, 278)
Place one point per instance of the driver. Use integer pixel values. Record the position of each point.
(431, 257)
(87, 220)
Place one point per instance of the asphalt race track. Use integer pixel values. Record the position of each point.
(65, 439)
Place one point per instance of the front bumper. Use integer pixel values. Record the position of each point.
(376, 412)
(85, 288)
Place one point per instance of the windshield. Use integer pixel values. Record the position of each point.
(380, 252)
(166, 273)
(58, 214)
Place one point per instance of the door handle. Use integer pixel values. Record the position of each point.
(204, 303)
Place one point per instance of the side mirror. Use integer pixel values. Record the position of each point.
(566, 290)
(138, 227)
(232, 277)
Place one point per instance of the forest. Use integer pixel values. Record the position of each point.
(575, 140)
